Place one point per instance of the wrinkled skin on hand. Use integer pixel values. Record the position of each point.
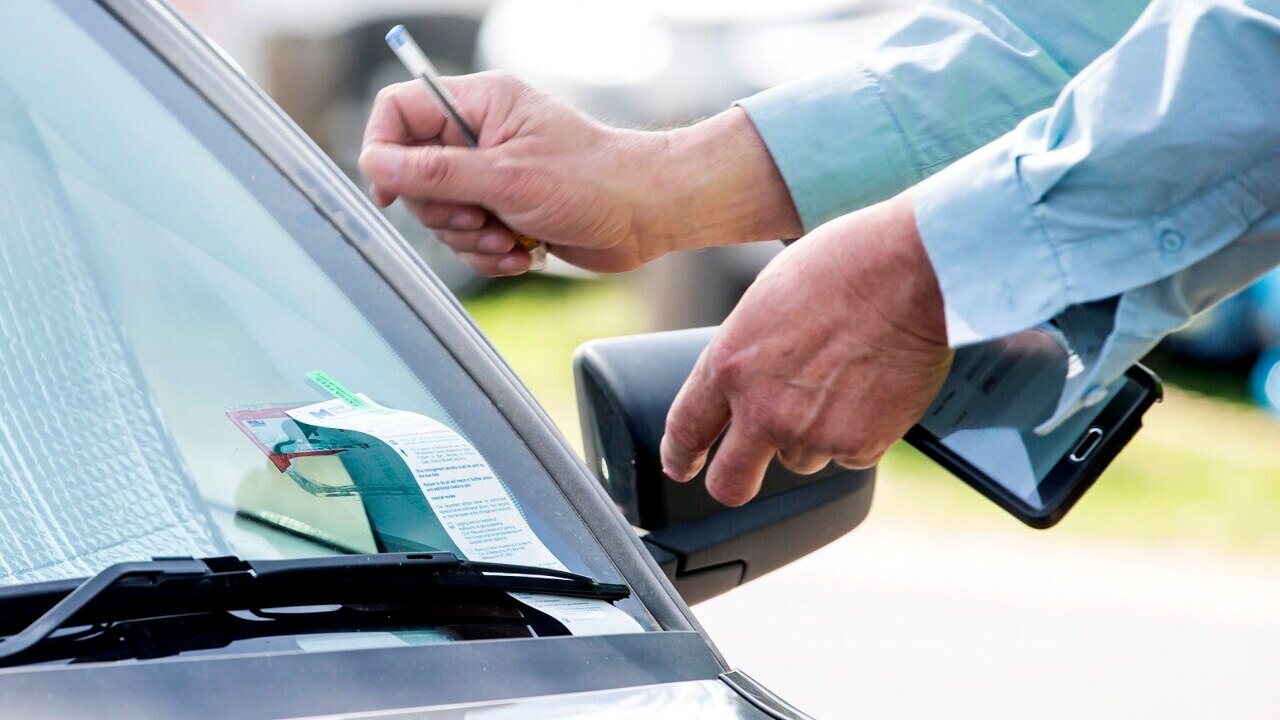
(532, 149)
(602, 198)
(834, 352)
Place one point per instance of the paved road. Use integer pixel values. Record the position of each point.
(898, 621)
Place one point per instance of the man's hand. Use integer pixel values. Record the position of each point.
(834, 353)
(602, 198)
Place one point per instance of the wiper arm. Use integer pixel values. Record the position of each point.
(175, 586)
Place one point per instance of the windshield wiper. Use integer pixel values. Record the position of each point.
(176, 586)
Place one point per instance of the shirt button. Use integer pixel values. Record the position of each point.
(1171, 241)
(1094, 395)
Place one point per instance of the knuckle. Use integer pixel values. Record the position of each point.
(731, 497)
(447, 237)
(802, 463)
(494, 88)
(387, 94)
(432, 168)
(728, 488)
(433, 217)
(791, 463)
(768, 419)
(857, 462)
(503, 79)
(848, 463)
(460, 242)
(480, 265)
(516, 182)
(862, 458)
(725, 363)
(680, 433)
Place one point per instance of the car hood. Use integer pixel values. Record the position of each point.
(703, 699)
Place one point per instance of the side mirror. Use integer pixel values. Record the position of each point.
(625, 388)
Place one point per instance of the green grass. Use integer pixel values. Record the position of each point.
(1225, 381)
(537, 322)
(1204, 472)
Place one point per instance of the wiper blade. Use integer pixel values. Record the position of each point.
(175, 586)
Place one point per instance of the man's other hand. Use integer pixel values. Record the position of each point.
(602, 198)
(833, 354)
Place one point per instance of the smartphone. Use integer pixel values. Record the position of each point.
(982, 425)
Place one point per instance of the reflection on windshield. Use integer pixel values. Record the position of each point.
(181, 280)
(72, 418)
(163, 295)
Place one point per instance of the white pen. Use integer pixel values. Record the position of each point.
(418, 65)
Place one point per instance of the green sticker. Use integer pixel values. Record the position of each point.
(339, 391)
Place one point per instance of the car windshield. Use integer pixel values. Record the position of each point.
(165, 296)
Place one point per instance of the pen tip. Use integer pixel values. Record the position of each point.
(395, 37)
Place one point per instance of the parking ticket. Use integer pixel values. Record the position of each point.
(276, 434)
(474, 507)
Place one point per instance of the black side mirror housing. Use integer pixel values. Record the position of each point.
(625, 388)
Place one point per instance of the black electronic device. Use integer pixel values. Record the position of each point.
(983, 425)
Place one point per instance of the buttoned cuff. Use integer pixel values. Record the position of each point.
(997, 269)
(835, 141)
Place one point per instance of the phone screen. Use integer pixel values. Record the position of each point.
(995, 396)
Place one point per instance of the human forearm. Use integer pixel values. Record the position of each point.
(719, 186)
(958, 76)
(603, 198)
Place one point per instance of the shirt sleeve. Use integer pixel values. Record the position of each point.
(1108, 336)
(1127, 193)
(961, 74)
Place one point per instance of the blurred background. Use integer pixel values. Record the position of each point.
(1158, 595)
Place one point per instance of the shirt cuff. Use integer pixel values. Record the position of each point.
(997, 269)
(835, 141)
(1090, 386)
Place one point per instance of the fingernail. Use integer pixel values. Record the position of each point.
(382, 162)
(497, 243)
(511, 265)
(464, 221)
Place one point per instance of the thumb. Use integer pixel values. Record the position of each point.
(433, 172)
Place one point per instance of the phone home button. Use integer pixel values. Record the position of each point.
(1091, 440)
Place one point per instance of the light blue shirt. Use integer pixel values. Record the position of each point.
(1110, 165)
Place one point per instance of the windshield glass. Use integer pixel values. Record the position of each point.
(164, 294)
